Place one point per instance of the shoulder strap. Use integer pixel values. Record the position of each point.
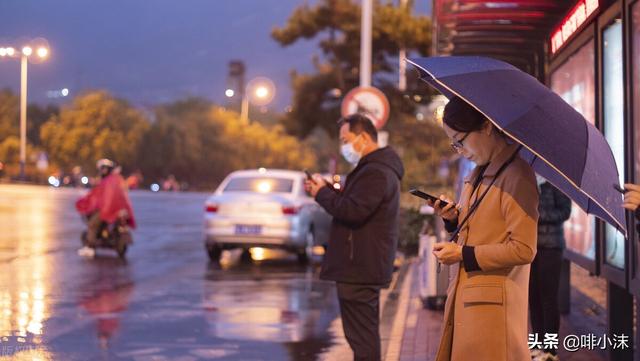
(475, 204)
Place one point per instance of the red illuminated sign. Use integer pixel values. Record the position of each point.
(574, 20)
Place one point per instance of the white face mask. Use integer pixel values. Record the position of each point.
(349, 153)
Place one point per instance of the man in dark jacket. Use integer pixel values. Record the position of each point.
(364, 232)
(554, 209)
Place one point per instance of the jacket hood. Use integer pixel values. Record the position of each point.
(387, 157)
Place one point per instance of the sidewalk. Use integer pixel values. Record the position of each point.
(421, 331)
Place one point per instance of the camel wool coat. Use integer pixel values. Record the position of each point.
(485, 316)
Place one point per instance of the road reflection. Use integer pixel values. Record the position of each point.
(273, 299)
(167, 302)
(106, 294)
(24, 299)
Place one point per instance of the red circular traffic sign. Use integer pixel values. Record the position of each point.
(368, 101)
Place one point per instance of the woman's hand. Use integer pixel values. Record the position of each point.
(448, 252)
(450, 212)
(632, 196)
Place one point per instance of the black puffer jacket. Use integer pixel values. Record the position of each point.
(554, 209)
(364, 231)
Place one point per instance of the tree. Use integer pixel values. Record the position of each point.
(338, 23)
(10, 132)
(95, 126)
(317, 96)
(37, 116)
(201, 143)
(9, 114)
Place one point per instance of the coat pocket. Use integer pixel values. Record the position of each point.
(483, 294)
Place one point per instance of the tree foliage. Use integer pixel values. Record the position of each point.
(337, 25)
(201, 143)
(96, 125)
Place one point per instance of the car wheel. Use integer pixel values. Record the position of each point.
(245, 256)
(306, 254)
(214, 252)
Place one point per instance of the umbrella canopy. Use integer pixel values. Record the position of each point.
(557, 141)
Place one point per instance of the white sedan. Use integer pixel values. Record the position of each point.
(264, 208)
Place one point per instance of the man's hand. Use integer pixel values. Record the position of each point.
(448, 252)
(313, 186)
(632, 196)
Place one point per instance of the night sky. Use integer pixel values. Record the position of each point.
(152, 51)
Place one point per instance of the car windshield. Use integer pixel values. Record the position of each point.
(259, 185)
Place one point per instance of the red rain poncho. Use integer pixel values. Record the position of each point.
(109, 197)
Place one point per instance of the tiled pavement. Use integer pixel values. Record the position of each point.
(588, 296)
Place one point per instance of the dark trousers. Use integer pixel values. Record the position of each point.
(544, 282)
(360, 311)
(94, 225)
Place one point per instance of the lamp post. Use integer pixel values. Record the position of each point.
(27, 52)
(259, 91)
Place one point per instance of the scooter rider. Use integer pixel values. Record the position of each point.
(106, 202)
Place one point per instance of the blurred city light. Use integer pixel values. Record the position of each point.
(3, 51)
(54, 181)
(85, 180)
(257, 253)
(318, 250)
(264, 187)
(262, 91)
(27, 51)
(335, 93)
(155, 187)
(10, 51)
(43, 52)
(61, 93)
(229, 93)
(262, 170)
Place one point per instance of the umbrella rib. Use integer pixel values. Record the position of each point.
(622, 227)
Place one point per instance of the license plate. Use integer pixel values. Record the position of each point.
(248, 229)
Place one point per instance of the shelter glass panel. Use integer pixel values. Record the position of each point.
(613, 112)
(635, 34)
(575, 82)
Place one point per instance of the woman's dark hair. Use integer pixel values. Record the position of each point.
(359, 123)
(462, 117)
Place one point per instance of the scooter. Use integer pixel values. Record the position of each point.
(116, 236)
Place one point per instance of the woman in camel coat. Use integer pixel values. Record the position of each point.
(485, 315)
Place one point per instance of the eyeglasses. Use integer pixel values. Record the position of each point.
(457, 144)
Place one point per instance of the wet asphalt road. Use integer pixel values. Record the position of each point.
(165, 302)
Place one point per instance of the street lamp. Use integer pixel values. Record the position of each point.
(26, 53)
(259, 91)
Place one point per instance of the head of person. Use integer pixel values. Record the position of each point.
(358, 137)
(471, 133)
(105, 167)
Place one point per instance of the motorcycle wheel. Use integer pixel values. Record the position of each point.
(121, 246)
(83, 239)
(122, 250)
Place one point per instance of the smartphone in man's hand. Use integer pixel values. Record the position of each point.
(309, 175)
